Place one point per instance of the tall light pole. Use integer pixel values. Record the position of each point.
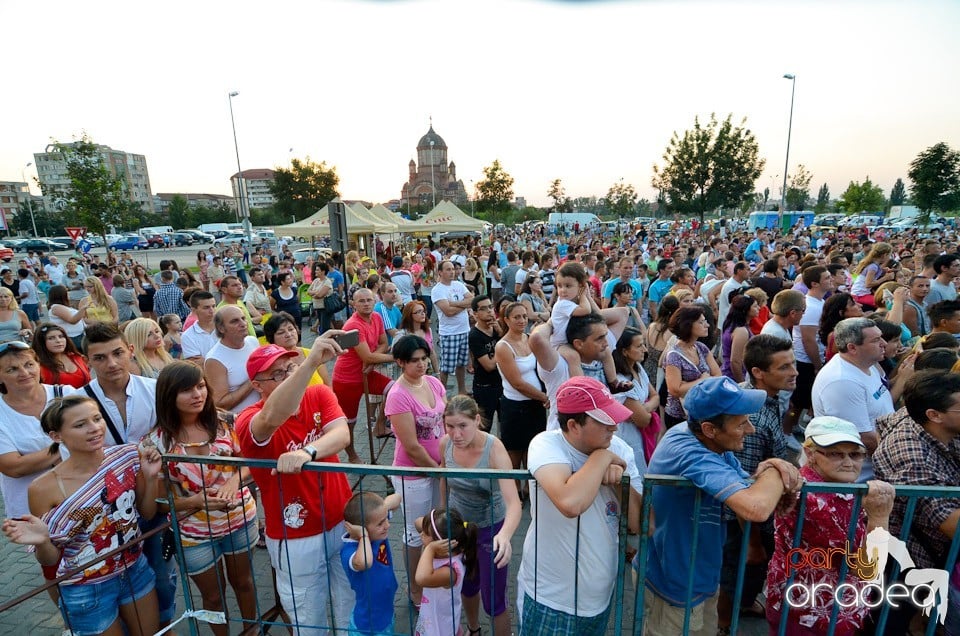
(242, 212)
(786, 163)
(433, 182)
(29, 200)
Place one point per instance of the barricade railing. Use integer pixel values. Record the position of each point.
(361, 472)
(911, 493)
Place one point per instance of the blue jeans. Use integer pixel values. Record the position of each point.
(165, 571)
(90, 608)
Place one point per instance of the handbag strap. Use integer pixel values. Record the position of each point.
(106, 416)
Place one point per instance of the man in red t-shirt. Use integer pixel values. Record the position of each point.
(295, 424)
(349, 369)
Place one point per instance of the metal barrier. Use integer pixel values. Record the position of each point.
(911, 493)
(361, 472)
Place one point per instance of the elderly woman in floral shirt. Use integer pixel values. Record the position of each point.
(834, 453)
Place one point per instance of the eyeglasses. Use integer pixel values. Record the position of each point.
(838, 456)
(13, 344)
(281, 374)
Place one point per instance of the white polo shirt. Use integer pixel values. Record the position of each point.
(197, 342)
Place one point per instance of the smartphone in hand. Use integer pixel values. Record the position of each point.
(347, 340)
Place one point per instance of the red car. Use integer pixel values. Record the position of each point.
(155, 241)
(6, 254)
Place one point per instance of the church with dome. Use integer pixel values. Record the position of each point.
(432, 173)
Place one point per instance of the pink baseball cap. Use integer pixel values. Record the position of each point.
(585, 395)
(264, 356)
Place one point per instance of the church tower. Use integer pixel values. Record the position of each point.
(432, 173)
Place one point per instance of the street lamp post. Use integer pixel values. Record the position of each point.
(33, 221)
(242, 212)
(786, 163)
(433, 182)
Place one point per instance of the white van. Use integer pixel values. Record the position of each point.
(585, 219)
(154, 230)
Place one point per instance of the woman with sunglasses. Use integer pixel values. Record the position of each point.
(24, 448)
(414, 321)
(223, 529)
(834, 454)
(86, 507)
(60, 361)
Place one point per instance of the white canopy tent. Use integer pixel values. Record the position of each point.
(318, 224)
(445, 217)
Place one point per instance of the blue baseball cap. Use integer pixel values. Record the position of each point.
(721, 396)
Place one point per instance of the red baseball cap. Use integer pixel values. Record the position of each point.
(264, 356)
(581, 394)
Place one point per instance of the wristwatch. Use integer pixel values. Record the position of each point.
(312, 451)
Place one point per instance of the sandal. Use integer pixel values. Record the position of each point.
(262, 540)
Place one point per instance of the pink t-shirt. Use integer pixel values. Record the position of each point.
(429, 422)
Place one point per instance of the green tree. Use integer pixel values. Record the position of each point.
(861, 197)
(899, 193)
(304, 188)
(935, 174)
(798, 189)
(561, 202)
(95, 198)
(179, 213)
(621, 199)
(495, 191)
(709, 167)
(823, 200)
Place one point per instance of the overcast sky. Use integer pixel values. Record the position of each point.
(589, 92)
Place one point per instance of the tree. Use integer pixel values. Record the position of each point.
(495, 191)
(823, 200)
(621, 199)
(935, 174)
(898, 194)
(865, 197)
(303, 189)
(178, 213)
(561, 202)
(798, 189)
(710, 167)
(96, 198)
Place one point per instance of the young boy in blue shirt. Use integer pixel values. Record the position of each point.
(368, 562)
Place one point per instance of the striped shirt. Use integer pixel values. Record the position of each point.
(99, 517)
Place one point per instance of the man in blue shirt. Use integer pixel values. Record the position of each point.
(661, 287)
(389, 310)
(757, 249)
(626, 272)
(701, 450)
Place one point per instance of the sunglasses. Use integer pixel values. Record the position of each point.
(16, 345)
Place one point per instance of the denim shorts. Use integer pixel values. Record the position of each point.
(200, 558)
(91, 608)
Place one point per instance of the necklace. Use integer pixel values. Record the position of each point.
(411, 384)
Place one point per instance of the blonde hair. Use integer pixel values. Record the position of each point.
(136, 333)
(13, 299)
(98, 295)
(683, 294)
(758, 295)
(892, 285)
(877, 252)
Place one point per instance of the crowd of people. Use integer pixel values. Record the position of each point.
(746, 362)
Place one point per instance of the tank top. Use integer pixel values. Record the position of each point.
(73, 330)
(923, 326)
(472, 497)
(10, 329)
(98, 313)
(527, 365)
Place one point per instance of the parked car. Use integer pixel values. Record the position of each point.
(42, 244)
(232, 238)
(6, 254)
(13, 243)
(198, 236)
(130, 243)
(301, 255)
(155, 240)
(181, 238)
